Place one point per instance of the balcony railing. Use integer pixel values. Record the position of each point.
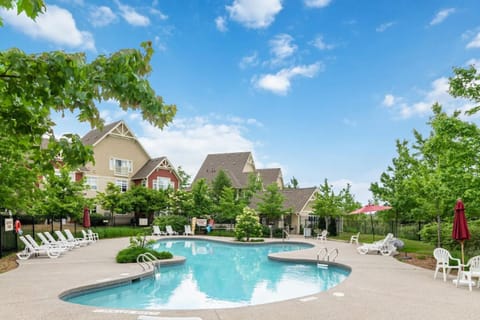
(121, 171)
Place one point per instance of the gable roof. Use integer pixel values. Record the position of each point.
(298, 199)
(153, 164)
(270, 176)
(233, 164)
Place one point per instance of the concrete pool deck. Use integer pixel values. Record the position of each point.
(378, 288)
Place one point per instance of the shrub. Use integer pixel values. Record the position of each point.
(130, 254)
(247, 225)
(177, 222)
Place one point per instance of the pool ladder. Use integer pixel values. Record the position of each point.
(323, 254)
(148, 261)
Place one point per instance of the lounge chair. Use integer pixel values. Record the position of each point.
(76, 241)
(88, 238)
(157, 232)
(354, 238)
(32, 248)
(188, 230)
(473, 266)
(50, 238)
(385, 246)
(322, 236)
(93, 235)
(443, 258)
(56, 244)
(170, 231)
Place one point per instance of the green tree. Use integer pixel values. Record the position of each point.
(293, 184)
(184, 178)
(181, 203)
(220, 182)
(254, 185)
(110, 199)
(228, 206)
(202, 202)
(247, 225)
(63, 197)
(271, 204)
(447, 165)
(395, 185)
(34, 86)
(466, 84)
(327, 204)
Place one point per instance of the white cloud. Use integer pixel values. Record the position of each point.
(102, 16)
(441, 16)
(475, 62)
(281, 47)
(132, 16)
(359, 189)
(280, 82)
(158, 13)
(437, 93)
(186, 142)
(247, 61)
(253, 13)
(320, 44)
(475, 43)
(317, 3)
(384, 26)
(221, 24)
(388, 100)
(56, 25)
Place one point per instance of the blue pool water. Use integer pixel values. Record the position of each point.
(218, 275)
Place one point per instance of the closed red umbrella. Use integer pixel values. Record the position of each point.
(371, 209)
(86, 218)
(460, 227)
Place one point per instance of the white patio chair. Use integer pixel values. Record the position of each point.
(443, 258)
(56, 244)
(322, 236)
(157, 232)
(170, 231)
(473, 266)
(93, 235)
(354, 238)
(50, 238)
(32, 248)
(385, 246)
(87, 238)
(188, 230)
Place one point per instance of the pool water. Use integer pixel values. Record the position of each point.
(218, 275)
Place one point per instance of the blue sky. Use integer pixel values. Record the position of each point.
(320, 88)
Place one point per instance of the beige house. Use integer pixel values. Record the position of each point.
(238, 166)
(121, 159)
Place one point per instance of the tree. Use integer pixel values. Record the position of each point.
(184, 178)
(220, 182)
(327, 204)
(271, 203)
(180, 203)
(254, 185)
(447, 165)
(395, 185)
(247, 225)
(228, 206)
(62, 197)
(466, 84)
(202, 202)
(110, 199)
(33, 86)
(293, 184)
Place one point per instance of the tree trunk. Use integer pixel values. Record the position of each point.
(439, 232)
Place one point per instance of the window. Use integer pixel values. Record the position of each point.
(162, 183)
(91, 182)
(121, 167)
(123, 184)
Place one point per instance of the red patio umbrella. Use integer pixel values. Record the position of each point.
(86, 217)
(371, 209)
(460, 227)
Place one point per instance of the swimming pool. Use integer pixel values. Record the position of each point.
(218, 275)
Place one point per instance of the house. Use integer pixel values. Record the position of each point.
(121, 159)
(238, 166)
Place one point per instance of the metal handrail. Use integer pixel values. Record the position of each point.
(147, 260)
(326, 255)
(286, 233)
(334, 250)
(325, 250)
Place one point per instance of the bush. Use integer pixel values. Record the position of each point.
(247, 225)
(177, 222)
(129, 255)
(118, 232)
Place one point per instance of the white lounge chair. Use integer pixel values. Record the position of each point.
(157, 232)
(93, 235)
(443, 258)
(188, 230)
(170, 231)
(473, 266)
(322, 236)
(354, 238)
(32, 248)
(385, 246)
(56, 244)
(73, 240)
(50, 238)
(88, 239)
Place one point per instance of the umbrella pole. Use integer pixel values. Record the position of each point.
(373, 230)
(461, 246)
